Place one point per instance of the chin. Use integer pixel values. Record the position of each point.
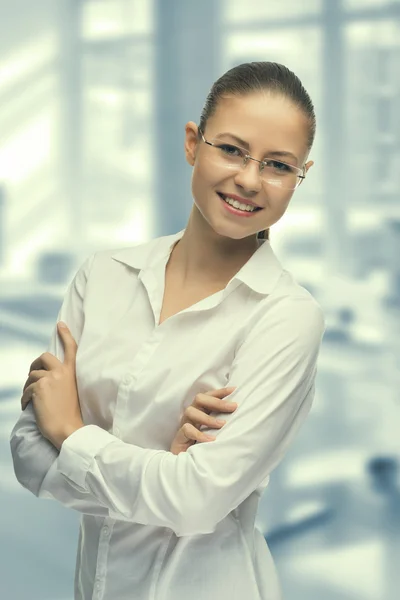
(232, 233)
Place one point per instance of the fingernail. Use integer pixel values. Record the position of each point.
(62, 325)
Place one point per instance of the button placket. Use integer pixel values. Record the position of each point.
(121, 402)
(101, 567)
(128, 380)
(98, 590)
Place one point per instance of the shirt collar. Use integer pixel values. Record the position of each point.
(261, 272)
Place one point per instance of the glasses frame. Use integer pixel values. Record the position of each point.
(262, 163)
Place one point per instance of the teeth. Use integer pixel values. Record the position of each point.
(236, 204)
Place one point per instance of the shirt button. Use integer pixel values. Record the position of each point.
(116, 431)
(98, 585)
(128, 379)
(106, 530)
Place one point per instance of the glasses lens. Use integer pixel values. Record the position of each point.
(280, 175)
(226, 155)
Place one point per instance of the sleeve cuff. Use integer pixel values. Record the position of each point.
(78, 451)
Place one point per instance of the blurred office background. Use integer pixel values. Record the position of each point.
(94, 96)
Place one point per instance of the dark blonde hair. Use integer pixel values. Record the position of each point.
(260, 76)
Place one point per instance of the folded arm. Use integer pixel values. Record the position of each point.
(35, 459)
(274, 372)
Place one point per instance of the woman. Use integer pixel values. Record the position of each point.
(159, 325)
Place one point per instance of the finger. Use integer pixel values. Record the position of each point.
(37, 364)
(211, 403)
(33, 377)
(27, 397)
(201, 398)
(191, 433)
(70, 345)
(221, 392)
(45, 361)
(198, 417)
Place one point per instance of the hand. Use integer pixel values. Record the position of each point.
(51, 386)
(197, 414)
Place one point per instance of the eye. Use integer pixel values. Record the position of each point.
(230, 150)
(278, 166)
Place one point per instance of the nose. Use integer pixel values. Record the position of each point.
(248, 177)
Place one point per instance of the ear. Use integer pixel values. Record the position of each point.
(191, 140)
(306, 167)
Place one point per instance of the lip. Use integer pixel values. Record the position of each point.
(236, 211)
(242, 200)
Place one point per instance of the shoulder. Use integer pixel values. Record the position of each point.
(137, 256)
(110, 266)
(295, 296)
(127, 254)
(290, 310)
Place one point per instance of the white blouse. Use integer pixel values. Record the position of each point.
(159, 526)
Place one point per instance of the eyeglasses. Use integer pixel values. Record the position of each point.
(274, 172)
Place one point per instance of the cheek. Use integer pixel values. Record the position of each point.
(197, 182)
(285, 200)
(278, 198)
(203, 172)
(278, 203)
(203, 176)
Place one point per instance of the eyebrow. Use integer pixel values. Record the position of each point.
(280, 153)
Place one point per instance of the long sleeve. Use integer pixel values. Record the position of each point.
(274, 372)
(34, 457)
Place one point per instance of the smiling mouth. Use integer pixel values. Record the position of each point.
(223, 197)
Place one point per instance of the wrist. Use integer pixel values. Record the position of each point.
(60, 438)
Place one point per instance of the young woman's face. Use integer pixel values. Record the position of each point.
(266, 126)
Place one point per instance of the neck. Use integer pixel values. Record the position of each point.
(202, 256)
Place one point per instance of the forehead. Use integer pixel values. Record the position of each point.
(264, 120)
